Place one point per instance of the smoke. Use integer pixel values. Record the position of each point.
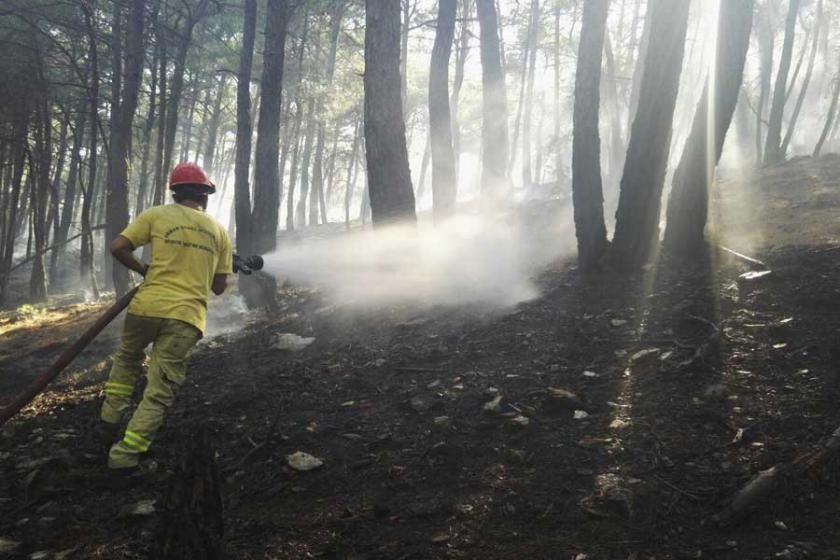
(226, 314)
(469, 259)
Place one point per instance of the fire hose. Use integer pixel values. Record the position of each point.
(243, 265)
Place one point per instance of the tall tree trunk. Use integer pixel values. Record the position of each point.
(176, 91)
(773, 147)
(440, 121)
(18, 157)
(523, 82)
(329, 177)
(187, 126)
(458, 81)
(527, 174)
(424, 167)
(53, 218)
(122, 123)
(637, 219)
(587, 197)
(242, 190)
(40, 165)
(293, 169)
(639, 70)
(766, 40)
(160, 140)
(616, 153)
(832, 115)
(205, 124)
(142, 185)
(494, 126)
(318, 167)
(803, 90)
(688, 205)
(351, 166)
(213, 127)
(406, 24)
(306, 160)
(87, 273)
(267, 155)
(389, 177)
(70, 192)
(558, 157)
(117, 38)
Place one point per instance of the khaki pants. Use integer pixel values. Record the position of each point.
(171, 342)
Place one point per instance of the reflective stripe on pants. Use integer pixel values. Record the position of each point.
(171, 341)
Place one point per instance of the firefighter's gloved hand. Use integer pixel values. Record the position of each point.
(247, 265)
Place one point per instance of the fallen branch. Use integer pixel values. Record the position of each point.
(50, 248)
(762, 485)
(743, 257)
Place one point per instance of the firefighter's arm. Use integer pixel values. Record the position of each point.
(219, 284)
(224, 266)
(122, 250)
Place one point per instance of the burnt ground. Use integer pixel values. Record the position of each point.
(696, 380)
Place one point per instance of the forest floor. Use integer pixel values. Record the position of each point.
(680, 385)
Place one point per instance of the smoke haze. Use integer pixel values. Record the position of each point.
(466, 260)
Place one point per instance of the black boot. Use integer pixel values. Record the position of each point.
(105, 434)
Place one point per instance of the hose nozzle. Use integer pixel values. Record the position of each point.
(247, 265)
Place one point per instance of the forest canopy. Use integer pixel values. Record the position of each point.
(103, 97)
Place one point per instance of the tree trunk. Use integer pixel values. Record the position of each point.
(318, 167)
(424, 167)
(87, 273)
(458, 81)
(639, 70)
(389, 177)
(832, 114)
(267, 155)
(616, 151)
(527, 174)
(587, 197)
(42, 160)
(186, 127)
(202, 130)
(766, 40)
(121, 128)
(242, 190)
(293, 170)
(806, 80)
(494, 126)
(329, 176)
(406, 23)
(142, 185)
(773, 147)
(558, 157)
(688, 205)
(54, 193)
(18, 156)
(309, 138)
(351, 166)
(637, 218)
(520, 106)
(160, 140)
(213, 127)
(177, 88)
(440, 120)
(70, 192)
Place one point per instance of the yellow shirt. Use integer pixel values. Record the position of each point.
(188, 249)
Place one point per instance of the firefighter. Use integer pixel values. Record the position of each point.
(191, 255)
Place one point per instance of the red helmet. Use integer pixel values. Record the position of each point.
(190, 174)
